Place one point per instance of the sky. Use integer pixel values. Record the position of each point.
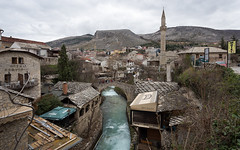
(47, 20)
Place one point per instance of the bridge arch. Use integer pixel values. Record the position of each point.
(128, 89)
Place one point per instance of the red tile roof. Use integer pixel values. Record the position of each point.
(12, 40)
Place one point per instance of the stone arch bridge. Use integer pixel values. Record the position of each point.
(128, 89)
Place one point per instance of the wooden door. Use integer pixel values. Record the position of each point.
(20, 78)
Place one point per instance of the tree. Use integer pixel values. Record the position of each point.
(223, 43)
(64, 71)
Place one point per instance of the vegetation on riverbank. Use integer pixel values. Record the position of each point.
(217, 124)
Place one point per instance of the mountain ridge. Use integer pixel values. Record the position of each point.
(116, 39)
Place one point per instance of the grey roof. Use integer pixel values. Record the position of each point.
(16, 92)
(161, 87)
(19, 50)
(195, 50)
(32, 46)
(73, 87)
(84, 96)
(177, 100)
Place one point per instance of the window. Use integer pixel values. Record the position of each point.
(7, 78)
(220, 55)
(26, 77)
(81, 113)
(20, 60)
(87, 108)
(197, 56)
(14, 60)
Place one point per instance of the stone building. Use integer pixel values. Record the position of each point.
(18, 67)
(157, 111)
(87, 101)
(13, 119)
(196, 53)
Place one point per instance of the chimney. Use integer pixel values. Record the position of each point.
(169, 78)
(65, 88)
(1, 32)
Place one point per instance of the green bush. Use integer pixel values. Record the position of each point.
(47, 103)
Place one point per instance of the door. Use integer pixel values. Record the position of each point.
(20, 78)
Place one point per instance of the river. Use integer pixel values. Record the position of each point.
(115, 135)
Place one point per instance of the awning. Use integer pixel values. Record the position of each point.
(58, 113)
(145, 102)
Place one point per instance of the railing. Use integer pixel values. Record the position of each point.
(17, 85)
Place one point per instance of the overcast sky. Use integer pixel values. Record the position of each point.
(46, 20)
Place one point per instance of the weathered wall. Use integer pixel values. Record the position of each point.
(49, 61)
(31, 65)
(8, 132)
(93, 115)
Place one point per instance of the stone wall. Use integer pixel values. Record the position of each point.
(30, 65)
(92, 121)
(49, 61)
(8, 132)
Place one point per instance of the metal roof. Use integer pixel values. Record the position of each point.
(195, 50)
(58, 113)
(145, 102)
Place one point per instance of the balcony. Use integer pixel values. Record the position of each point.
(18, 86)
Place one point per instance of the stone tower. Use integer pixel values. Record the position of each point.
(163, 29)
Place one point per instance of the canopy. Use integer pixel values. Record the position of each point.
(58, 113)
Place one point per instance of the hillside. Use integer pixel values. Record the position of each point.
(116, 39)
(194, 34)
(112, 39)
(69, 41)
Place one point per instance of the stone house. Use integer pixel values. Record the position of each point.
(13, 119)
(86, 100)
(158, 110)
(18, 67)
(215, 54)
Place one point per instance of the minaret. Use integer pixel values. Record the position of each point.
(163, 29)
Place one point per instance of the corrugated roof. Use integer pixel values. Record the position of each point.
(84, 96)
(58, 113)
(195, 50)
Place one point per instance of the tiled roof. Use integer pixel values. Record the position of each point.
(73, 87)
(161, 87)
(12, 40)
(84, 96)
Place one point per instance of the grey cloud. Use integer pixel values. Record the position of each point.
(46, 20)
